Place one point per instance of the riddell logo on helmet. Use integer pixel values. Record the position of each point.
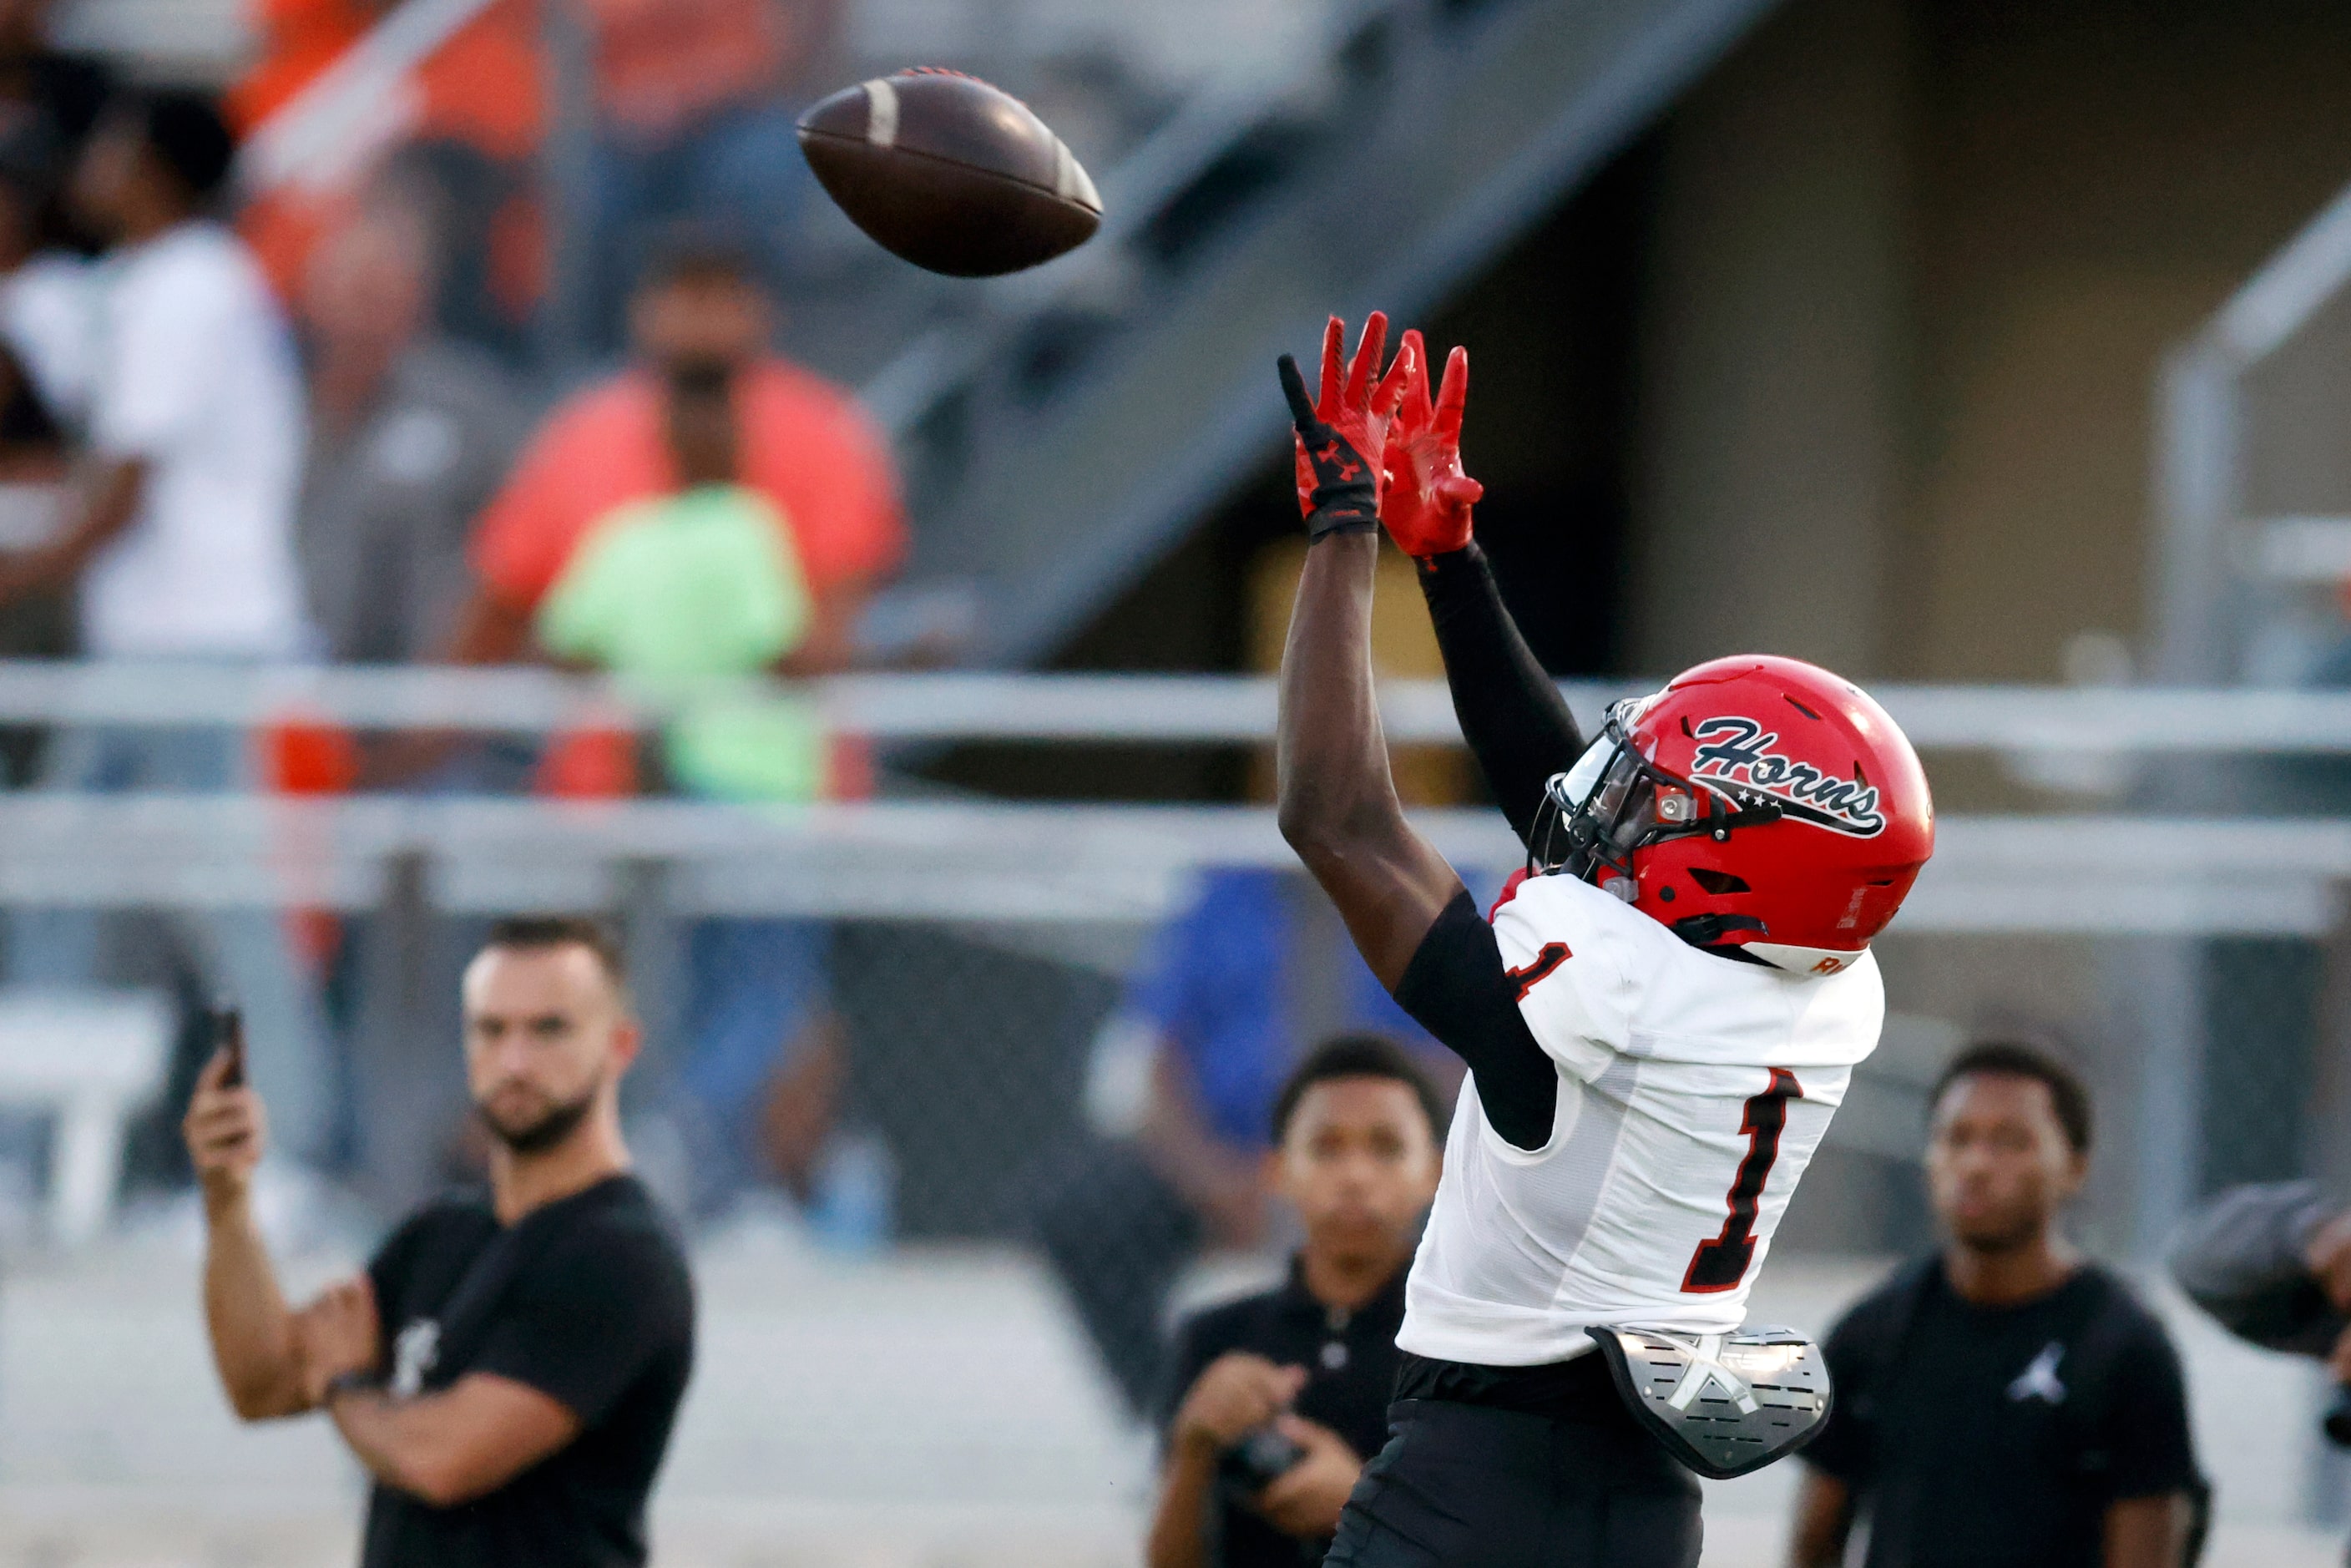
(1739, 751)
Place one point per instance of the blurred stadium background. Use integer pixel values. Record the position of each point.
(1999, 354)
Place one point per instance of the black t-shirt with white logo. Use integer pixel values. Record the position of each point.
(1977, 1435)
(587, 1300)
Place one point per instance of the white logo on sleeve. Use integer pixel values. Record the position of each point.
(416, 1352)
(2040, 1381)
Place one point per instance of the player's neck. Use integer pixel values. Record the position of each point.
(2010, 1276)
(1346, 1279)
(521, 1183)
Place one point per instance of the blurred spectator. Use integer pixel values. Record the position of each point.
(2271, 1261)
(1184, 1077)
(50, 96)
(704, 582)
(180, 544)
(804, 446)
(48, 296)
(47, 339)
(410, 432)
(693, 125)
(40, 292)
(622, 538)
(690, 123)
(2006, 1402)
(699, 584)
(468, 120)
(507, 1368)
(1311, 1365)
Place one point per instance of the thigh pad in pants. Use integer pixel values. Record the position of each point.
(1462, 1486)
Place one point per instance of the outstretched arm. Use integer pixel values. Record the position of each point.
(1511, 712)
(1409, 914)
(1338, 804)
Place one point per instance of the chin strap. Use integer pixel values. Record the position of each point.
(1708, 931)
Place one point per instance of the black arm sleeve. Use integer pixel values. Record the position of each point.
(1512, 714)
(1456, 988)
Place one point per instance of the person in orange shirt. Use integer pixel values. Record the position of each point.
(470, 124)
(805, 445)
(763, 1058)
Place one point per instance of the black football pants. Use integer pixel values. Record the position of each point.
(1465, 1486)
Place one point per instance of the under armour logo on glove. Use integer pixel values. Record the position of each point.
(1338, 485)
(2040, 1380)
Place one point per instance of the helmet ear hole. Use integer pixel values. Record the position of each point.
(1717, 882)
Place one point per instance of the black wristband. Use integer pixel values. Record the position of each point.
(344, 1383)
(1322, 525)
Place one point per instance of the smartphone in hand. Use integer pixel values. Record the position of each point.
(228, 1034)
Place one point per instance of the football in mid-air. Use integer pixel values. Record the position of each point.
(949, 172)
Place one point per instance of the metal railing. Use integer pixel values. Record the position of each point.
(2231, 571)
(1044, 863)
(1120, 708)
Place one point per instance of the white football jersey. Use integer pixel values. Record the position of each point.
(1692, 1092)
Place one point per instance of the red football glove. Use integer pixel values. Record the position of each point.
(1340, 437)
(1427, 500)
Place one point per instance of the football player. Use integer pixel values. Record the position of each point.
(1659, 1018)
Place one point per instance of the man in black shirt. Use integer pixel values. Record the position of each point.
(1297, 1379)
(2006, 1403)
(508, 1366)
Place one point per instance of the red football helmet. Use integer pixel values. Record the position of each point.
(1757, 802)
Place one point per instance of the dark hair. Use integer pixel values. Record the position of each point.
(700, 252)
(185, 132)
(1358, 1056)
(535, 932)
(2013, 1058)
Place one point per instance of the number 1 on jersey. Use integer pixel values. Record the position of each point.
(1722, 1261)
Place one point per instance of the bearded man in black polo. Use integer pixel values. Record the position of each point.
(509, 1365)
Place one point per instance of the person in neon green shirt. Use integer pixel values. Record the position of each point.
(700, 593)
(686, 590)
